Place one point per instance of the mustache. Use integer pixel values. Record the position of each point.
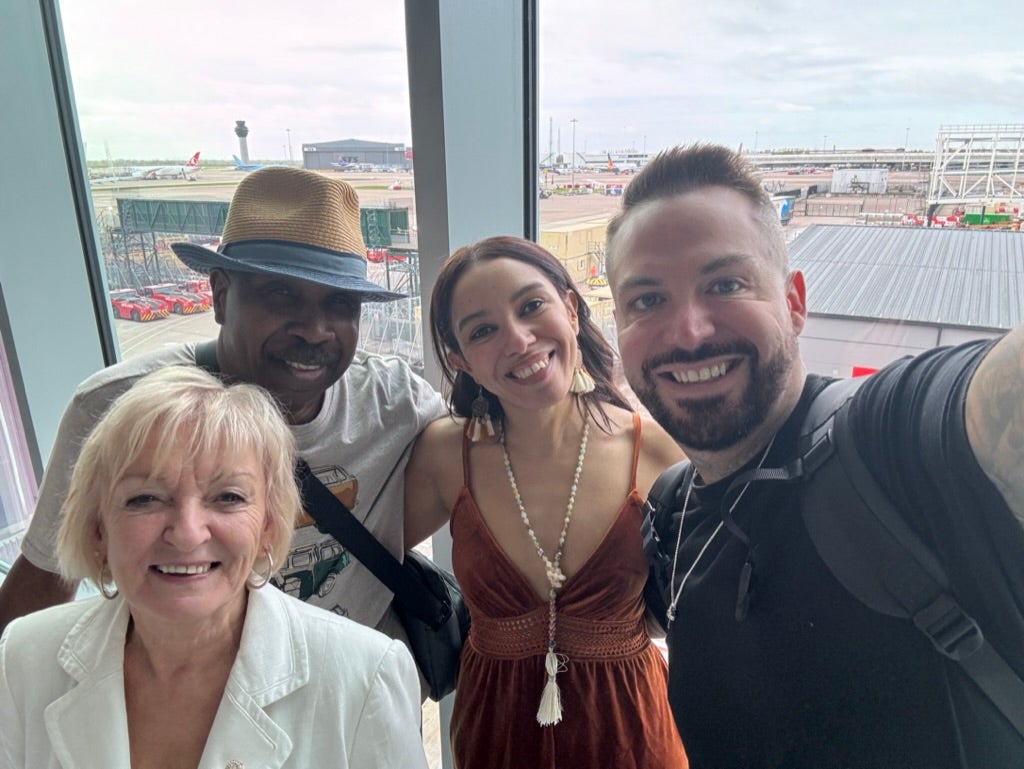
(309, 355)
(702, 353)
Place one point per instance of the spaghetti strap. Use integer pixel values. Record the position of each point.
(465, 456)
(636, 449)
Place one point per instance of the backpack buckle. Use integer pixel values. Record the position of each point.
(952, 631)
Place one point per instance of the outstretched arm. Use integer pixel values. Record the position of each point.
(429, 490)
(28, 588)
(995, 418)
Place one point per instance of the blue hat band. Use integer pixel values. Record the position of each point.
(283, 255)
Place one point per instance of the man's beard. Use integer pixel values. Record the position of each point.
(714, 424)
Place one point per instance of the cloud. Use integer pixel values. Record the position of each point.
(162, 80)
(785, 106)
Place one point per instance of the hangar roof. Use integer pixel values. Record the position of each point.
(355, 144)
(952, 277)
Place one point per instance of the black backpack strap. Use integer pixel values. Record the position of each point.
(334, 518)
(655, 529)
(816, 444)
(880, 560)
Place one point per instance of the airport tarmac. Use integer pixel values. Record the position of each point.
(556, 210)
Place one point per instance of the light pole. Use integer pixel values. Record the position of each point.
(289, 132)
(572, 171)
(755, 141)
(824, 144)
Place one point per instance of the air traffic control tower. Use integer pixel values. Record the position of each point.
(241, 131)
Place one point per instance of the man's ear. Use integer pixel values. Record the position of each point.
(219, 282)
(796, 300)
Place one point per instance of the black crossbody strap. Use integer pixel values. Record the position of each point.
(334, 518)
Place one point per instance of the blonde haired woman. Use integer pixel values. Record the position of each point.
(181, 503)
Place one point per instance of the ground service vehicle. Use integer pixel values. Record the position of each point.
(199, 287)
(128, 305)
(176, 300)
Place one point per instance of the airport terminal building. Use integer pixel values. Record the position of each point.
(344, 153)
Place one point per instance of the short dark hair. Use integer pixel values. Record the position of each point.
(684, 169)
(598, 356)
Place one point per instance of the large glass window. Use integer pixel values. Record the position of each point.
(894, 116)
(178, 102)
(17, 479)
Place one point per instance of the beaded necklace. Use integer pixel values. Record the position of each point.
(550, 711)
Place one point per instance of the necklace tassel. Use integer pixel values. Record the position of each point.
(550, 711)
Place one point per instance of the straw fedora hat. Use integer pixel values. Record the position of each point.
(295, 223)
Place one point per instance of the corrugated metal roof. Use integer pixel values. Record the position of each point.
(956, 277)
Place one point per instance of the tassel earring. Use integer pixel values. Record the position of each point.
(481, 421)
(582, 382)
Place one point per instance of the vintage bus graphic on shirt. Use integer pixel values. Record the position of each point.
(313, 568)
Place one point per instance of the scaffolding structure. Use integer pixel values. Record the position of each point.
(136, 252)
(977, 164)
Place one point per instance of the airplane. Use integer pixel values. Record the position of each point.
(171, 172)
(136, 173)
(621, 168)
(343, 166)
(240, 166)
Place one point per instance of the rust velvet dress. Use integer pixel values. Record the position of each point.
(614, 698)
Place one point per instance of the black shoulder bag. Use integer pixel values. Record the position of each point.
(428, 600)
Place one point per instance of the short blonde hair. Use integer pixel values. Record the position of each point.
(167, 404)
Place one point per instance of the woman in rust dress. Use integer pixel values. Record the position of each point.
(541, 472)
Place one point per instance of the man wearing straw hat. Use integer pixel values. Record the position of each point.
(288, 280)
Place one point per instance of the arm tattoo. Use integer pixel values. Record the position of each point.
(995, 418)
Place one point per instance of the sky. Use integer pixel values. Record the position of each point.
(163, 80)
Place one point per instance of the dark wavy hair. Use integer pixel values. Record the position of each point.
(462, 389)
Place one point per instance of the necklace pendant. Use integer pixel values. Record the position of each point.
(555, 576)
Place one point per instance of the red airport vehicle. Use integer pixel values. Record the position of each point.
(382, 254)
(176, 300)
(198, 286)
(128, 305)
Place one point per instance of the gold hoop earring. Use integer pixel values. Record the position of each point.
(481, 421)
(262, 579)
(582, 382)
(105, 584)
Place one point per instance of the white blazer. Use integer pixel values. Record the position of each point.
(308, 688)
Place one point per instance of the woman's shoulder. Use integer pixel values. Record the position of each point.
(658, 444)
(53, 623)
(357, 652)
(445, 429)
(39, 638)
(274, 605)
(441, 438)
